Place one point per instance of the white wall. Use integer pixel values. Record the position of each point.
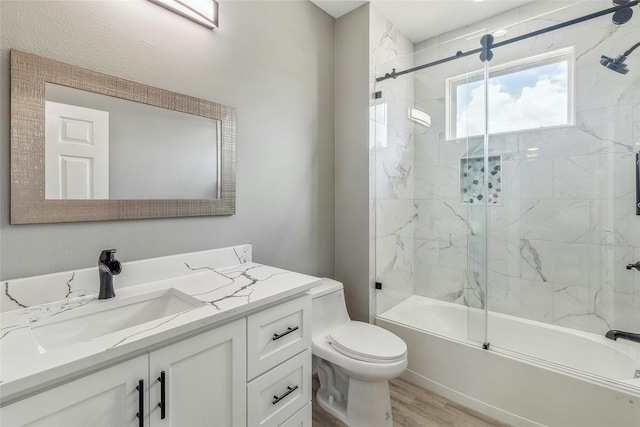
(273, 61)
(352, 160)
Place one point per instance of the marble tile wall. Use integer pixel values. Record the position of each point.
(393, 211)
(558, 244)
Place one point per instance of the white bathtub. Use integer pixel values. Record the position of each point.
(549, 375)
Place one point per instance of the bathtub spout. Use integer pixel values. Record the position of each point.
(614, 335)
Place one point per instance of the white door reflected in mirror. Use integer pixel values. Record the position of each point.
(149, 153)
(76, 152)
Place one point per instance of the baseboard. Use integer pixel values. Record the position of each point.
(469, 402)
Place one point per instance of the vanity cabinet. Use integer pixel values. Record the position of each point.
(204, 384)
(210, 338)
(254, 371)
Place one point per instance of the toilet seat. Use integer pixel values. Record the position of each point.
(366, 342)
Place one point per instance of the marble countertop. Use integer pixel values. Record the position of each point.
(225, 293)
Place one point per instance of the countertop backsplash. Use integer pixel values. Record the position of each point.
(26, 292)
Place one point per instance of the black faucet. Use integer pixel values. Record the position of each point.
(614, 335)
(108, 266)
(636, 266)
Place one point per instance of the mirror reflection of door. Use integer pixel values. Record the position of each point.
(76, 152)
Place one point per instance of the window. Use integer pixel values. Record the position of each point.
(527, 94)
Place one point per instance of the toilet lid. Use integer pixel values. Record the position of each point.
(367, 342)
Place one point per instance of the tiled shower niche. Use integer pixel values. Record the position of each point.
(472, 188)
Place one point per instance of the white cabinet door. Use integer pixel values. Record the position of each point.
(105, 398)
(204, 379)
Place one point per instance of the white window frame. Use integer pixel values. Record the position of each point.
(565, 54)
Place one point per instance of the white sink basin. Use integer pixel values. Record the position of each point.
(104, 317)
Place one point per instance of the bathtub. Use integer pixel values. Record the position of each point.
(549, 375)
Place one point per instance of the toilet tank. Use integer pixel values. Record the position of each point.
(329, 309)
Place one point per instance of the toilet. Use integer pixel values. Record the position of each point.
(354, 360)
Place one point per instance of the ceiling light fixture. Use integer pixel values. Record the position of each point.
(204, 12)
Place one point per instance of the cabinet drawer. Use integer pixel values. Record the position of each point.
(302, 418)
(278, 394)
(276, 334)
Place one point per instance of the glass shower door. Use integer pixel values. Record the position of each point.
(560, 240)
(430, 193)
(475, 178)
(423, 224)
(468, 106)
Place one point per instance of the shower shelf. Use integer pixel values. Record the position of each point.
(472, 184)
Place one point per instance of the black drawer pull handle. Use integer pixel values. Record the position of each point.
(290, 390)
(162, 405)
(287, 332)
(140, 414)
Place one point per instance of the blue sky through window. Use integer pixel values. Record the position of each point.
(527, 98)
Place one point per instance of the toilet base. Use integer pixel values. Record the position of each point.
(368, 404)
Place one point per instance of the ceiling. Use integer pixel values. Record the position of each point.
(422, 19)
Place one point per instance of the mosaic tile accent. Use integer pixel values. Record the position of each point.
(472, 175)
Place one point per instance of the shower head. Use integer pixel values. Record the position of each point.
(618, 64)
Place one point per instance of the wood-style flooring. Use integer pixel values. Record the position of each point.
(414, 406)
